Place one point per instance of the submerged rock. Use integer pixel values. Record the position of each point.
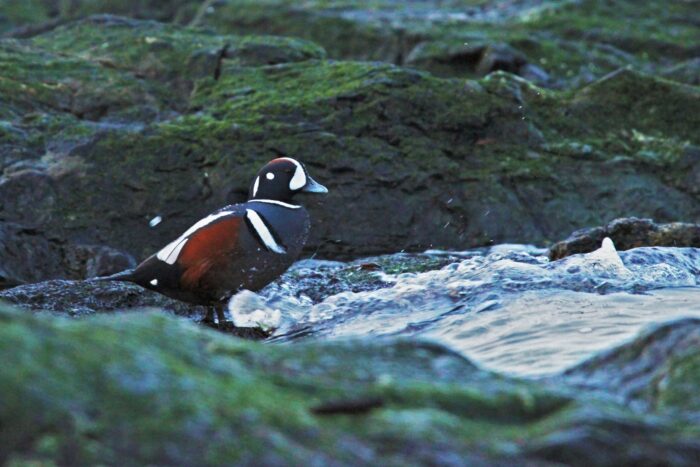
(150, 388)
(628, 233)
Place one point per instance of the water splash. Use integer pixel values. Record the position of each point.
(508, 307)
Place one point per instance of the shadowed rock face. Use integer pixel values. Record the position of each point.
(85, 391)
(110, 122)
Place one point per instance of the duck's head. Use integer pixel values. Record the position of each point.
(282, 178)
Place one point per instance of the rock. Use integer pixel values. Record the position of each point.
(84, 391)
(688, 168)
(656, 370)
(97, 260)
(78, 299)
(30, 255)
(312, 279)
(686, 72)
(84, 298)
(573, 43)
(177, 121)
(27, 256)
(628, 233)
(317, 280)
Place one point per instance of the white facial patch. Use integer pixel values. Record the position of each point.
(263, 232)
(171, 251)
(270, 176)
(154, 282)
(255, 186)
(299, 178)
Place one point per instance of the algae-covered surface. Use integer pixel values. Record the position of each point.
(151, 389)
(177, 121)
(557, 43)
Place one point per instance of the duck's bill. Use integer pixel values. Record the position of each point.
(312, 186)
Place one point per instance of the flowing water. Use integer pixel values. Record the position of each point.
(507, 308)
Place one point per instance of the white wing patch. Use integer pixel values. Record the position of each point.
(172, 250)
(274, 201)
(263, 232)
(299, 178)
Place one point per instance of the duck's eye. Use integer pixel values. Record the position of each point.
(269, 175)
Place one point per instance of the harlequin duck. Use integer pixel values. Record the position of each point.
(240, 246)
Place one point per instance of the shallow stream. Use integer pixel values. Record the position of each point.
(507, 308)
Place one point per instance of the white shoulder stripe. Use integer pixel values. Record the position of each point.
(263, 232)
(171, 251)
(274, 201)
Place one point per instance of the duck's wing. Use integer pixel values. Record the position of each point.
(183, 262)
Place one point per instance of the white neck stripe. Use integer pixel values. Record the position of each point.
(263, 232)
(274, 201)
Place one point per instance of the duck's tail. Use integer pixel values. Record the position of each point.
(124, 276)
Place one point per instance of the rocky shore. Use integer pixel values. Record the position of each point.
(436, 125)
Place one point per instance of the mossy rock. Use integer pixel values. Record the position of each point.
(555, 43)
(558, 43)
(147, 388)
(656, 370)
(111, 109)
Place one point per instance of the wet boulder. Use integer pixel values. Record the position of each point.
(628, 233)
(658, 370)
(84, 298)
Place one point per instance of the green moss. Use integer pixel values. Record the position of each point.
(35, 81)
(678, 388)
(14, 13)
(164, 52)
(132, 99)
(149, 388)
(572, 41)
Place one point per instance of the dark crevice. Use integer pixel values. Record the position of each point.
(31, 30)
(219, 61)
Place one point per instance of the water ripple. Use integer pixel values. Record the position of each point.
(508, 308)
